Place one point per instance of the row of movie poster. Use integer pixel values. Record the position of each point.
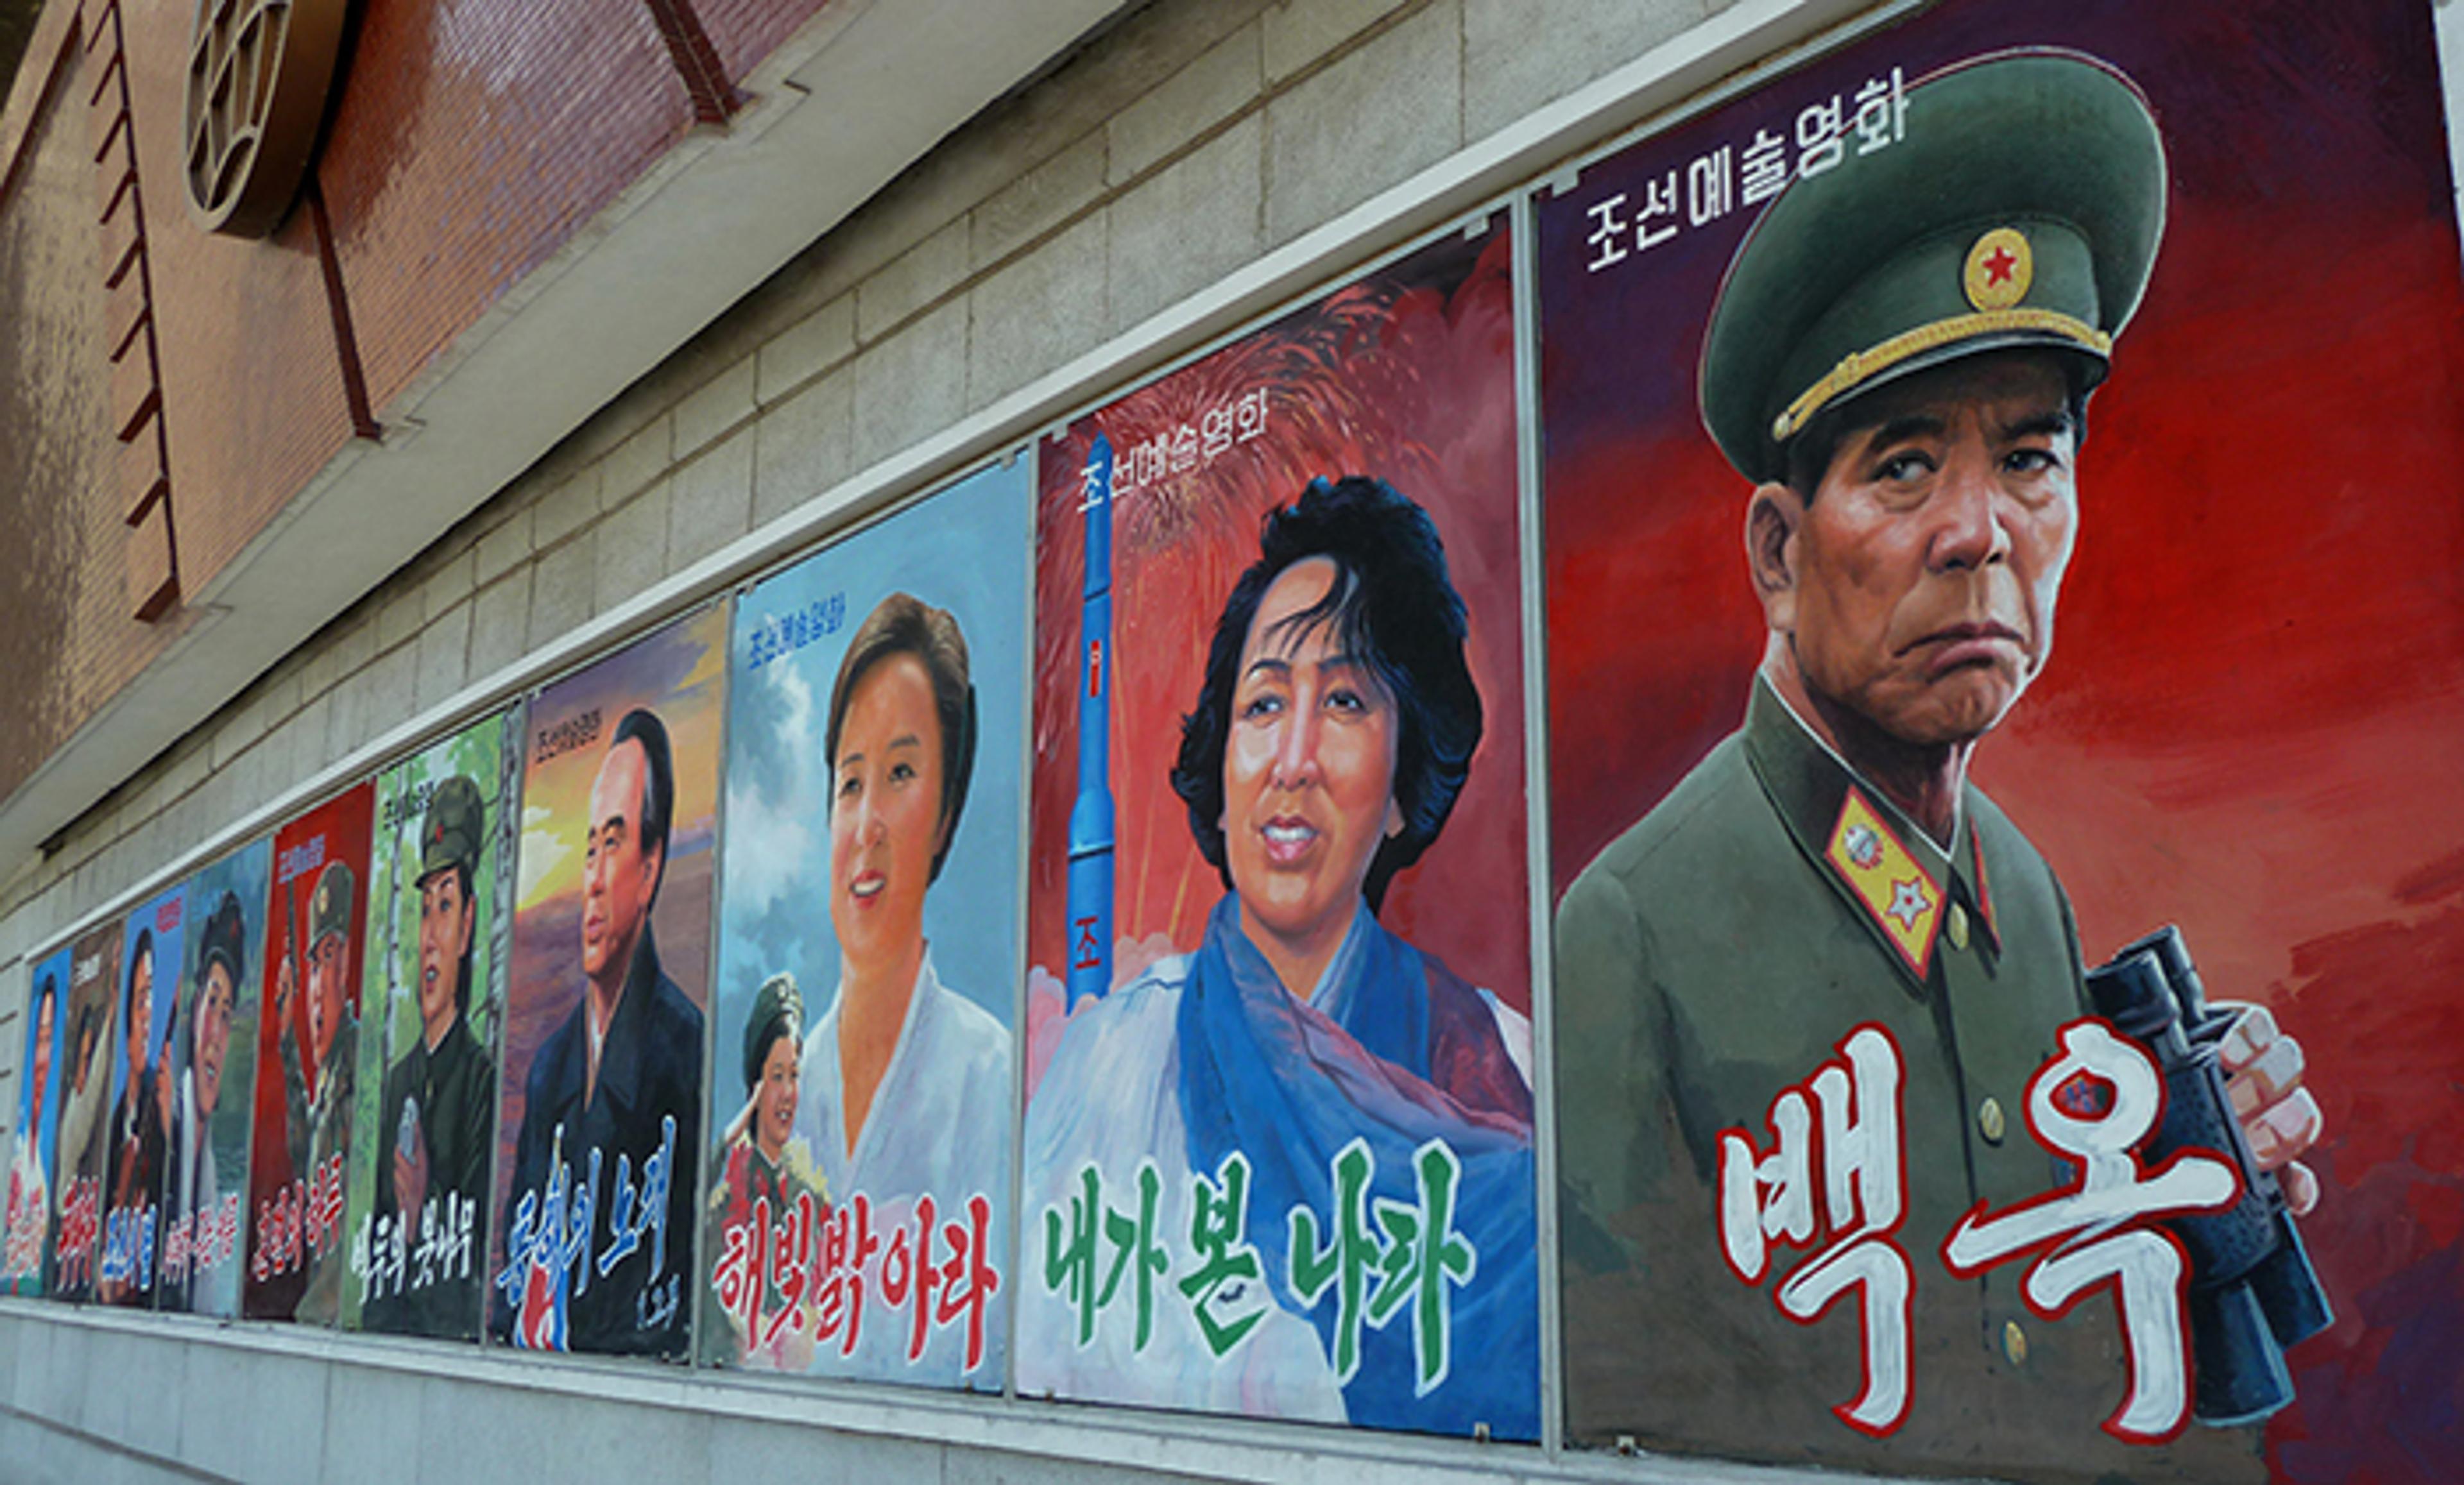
(1081, 935)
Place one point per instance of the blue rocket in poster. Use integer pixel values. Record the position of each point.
(1090, 818)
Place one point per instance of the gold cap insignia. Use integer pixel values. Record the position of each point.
(1999, 269)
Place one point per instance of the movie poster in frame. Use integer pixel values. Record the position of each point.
(600, 1109)
(1976, 1053)
(1278, 1156)
(307, 1062)
(424, 1142)
(212, 1060)
(864, 1105)
(141, 1104)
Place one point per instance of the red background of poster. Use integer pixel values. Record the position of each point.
(346, 821)
(2249, 726)
(1407, 374)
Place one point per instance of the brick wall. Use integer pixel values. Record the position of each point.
(470, 140)
(64, 590)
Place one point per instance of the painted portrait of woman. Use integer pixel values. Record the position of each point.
(1303, 1058)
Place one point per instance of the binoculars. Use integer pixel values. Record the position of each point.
(2252, 1290)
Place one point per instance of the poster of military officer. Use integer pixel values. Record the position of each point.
(1886, 1139)
(423, 1141)
(307, 1062)
(599, 1123)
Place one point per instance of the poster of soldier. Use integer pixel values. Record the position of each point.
(307, 1062)
(213, 1061)
(1278, 1155)
(91, 1006)
(24, 1256)
(1976, 1054)
(141, 1103)
(598, 1130)
(864, 1105)
(425, 1116)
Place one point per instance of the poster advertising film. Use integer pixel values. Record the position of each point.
(1976, 1054)
(307, 1062)
(214, 1064)
(85, 1124)
(1278, 1157)
(598, 1133)
(439, 876)
(865, 1108)
(24, 1254)
(140, 1102)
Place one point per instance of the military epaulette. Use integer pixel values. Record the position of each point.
(1899, 897)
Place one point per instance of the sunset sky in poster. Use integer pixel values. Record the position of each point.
(680, 672)
(2248, 725)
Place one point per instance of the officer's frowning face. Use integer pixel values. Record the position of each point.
(1917, 589)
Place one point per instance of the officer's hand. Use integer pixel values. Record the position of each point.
(282, 982)
(2278, 1115)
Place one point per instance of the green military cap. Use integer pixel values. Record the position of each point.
(329, 912)
(450, 832)
(2022, 209)
(224, 939)
(777, 1001)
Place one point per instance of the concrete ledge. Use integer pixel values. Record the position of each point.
(264, 1402)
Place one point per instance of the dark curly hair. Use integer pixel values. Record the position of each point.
(1393, 606)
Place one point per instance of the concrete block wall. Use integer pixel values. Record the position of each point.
(1188, 141)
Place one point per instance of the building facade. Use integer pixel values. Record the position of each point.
(610, 360)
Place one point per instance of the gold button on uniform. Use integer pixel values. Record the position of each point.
(2015, 1342)
(1988, 1120)
(1957, 927)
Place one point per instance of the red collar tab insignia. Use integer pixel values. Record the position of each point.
(1983, 889)
(1896, 893)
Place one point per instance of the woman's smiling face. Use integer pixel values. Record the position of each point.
(885, 811)
(1308, 769)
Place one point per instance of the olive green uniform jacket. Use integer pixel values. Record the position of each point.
(1716, 954)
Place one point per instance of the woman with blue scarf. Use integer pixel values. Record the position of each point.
(1290, 1174)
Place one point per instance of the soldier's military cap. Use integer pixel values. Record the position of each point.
(329, 911)
(777, 1001)
(2022, 209)
(450, 832)
(224, 939)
